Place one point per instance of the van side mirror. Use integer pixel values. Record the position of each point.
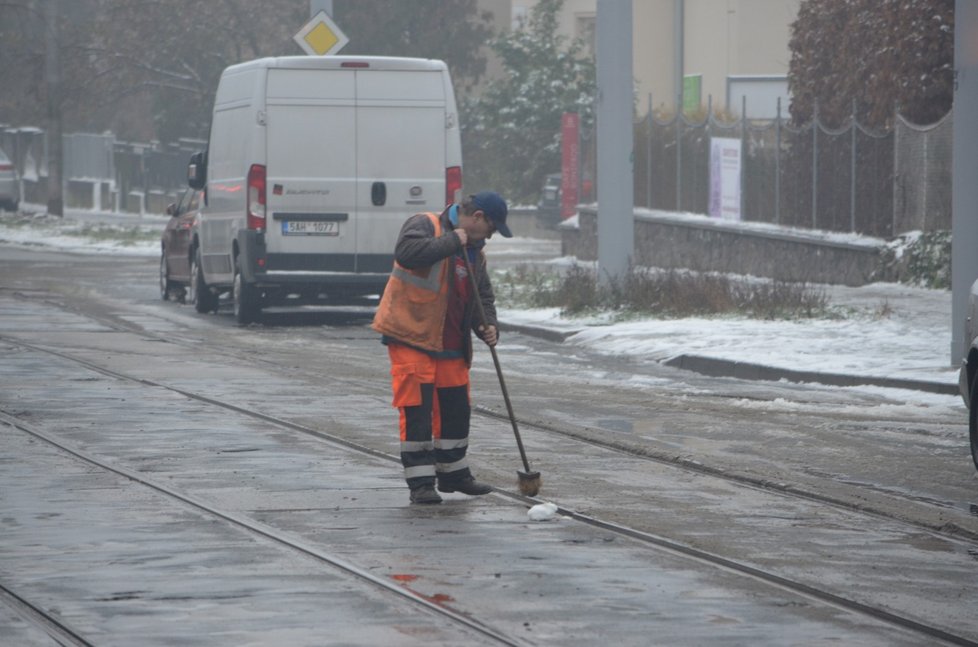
(197, 170)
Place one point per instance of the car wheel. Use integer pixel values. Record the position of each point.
(201, 296)
(165, 285)
(247, 306)
(973, 423)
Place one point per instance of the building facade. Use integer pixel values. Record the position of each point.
(702, 50)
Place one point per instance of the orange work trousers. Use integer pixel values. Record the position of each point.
(432, 396)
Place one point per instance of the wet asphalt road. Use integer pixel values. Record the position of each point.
(124, 564)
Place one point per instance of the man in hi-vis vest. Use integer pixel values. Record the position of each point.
(426, 316)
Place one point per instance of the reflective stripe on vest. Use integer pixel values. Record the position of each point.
(432, 282)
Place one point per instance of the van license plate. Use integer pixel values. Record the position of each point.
(310, 228)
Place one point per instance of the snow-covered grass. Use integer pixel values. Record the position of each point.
(652, 292)
(79, 235)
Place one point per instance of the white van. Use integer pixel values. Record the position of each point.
(312, 167)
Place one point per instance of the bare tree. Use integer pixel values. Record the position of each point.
(450, 30)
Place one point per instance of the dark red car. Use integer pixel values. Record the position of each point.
(175, 246)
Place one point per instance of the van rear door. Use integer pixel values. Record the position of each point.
(311, 170)
(401, 156)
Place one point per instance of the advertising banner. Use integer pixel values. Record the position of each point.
(570, 167)
(725, 169)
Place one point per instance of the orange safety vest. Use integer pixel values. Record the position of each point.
(414, 304)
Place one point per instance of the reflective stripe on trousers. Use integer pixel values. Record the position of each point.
(432, 396)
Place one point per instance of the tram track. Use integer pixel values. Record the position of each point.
(647, 539)
(42, 619)
(255, 528)
(778, 486)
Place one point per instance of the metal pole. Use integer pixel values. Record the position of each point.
(964, 155)
(315, 6)
(777, 167)
(815, 167)
(852, 170)
(743, 156)
(896, 167)
(678, 28)
(52, 73)
(616, 143)
(648, 158)
(679, 153)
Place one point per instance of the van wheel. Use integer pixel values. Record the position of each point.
(201, 296)
(247, 304)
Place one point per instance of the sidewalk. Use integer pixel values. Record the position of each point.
(893, 336)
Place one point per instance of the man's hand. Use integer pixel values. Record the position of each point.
(488, 334)
(462, 236)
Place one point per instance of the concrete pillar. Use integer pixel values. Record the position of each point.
(964, 195)
(616, 220)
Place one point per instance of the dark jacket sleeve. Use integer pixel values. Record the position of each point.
(417, 246)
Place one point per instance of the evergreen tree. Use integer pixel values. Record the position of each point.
(511, 132)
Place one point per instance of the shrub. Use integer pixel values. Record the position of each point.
(670, 293)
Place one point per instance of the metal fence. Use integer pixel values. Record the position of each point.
(848, 179)
(100, 171)
(852, 179)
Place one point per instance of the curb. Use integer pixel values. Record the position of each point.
(747, 371)
(538, 331)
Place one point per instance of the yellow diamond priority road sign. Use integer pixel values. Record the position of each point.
(320, 36)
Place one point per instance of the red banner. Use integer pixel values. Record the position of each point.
(570, 168)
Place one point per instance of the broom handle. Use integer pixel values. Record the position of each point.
(495, 359)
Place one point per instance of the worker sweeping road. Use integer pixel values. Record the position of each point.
(426, 316)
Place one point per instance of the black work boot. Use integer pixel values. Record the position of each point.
(424, 494)
(467, 485)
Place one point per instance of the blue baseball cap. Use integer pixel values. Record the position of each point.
(493, 205)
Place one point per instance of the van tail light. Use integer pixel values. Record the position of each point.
(453, 183)
(6, 167)
(256, 197)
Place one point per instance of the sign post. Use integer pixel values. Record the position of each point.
(570, 167)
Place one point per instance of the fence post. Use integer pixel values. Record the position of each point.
(815, 166)
(679, 152)
(896, 167)
(852, 179)
(777, 167)
(648, 158)
(743, 154)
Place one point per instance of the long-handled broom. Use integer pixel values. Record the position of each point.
(528, 481)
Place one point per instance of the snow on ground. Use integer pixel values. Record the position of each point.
(890, 330)
(898, 345)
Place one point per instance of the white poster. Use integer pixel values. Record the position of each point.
(725, 171)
